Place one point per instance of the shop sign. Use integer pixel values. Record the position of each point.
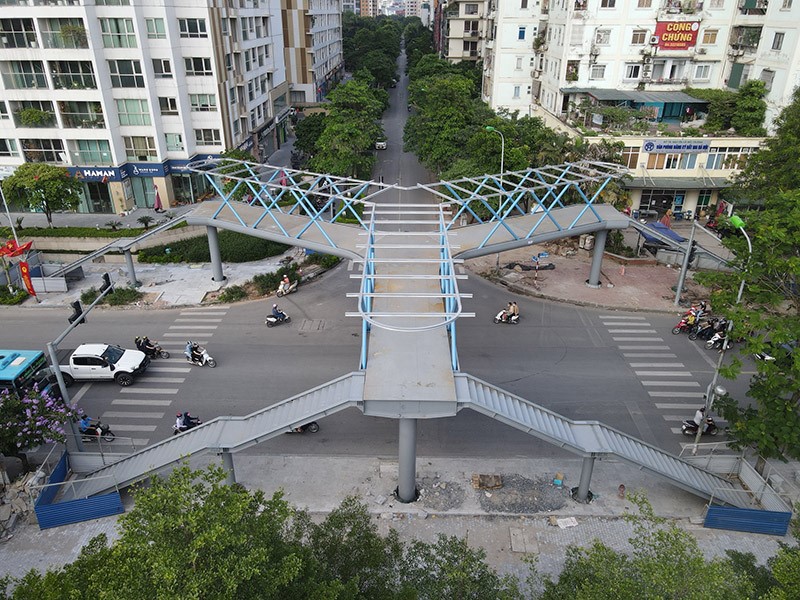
(683, 146)
(179, 165)
(104, 174)
(146, 169)
(677, 35)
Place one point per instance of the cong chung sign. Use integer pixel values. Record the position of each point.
(677, 35)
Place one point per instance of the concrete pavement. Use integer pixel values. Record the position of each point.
(508, 522)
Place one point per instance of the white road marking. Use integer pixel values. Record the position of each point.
(625, 324)
(668, 406)
(197, 309)
(168, 370)
(203, 314)
(620, 318)
(131, 415)
(162, 379)
(183, 335)
(181, 344)
(116, 428)
(80, 393)
(676, 394)
(198, 320)
(644, 348)
(149, 390)
(648, 354)
(193, 327)
(138, 402)
(631, 331)
(666, 383)
(637, 339)
(665, 365)
(663, 373)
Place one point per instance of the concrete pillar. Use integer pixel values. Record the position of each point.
(131, 271)
(407, 476)
(227, 464)
(582, 494)
(216, 259)
(597, 258)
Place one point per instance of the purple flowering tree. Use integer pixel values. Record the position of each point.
(32, 419)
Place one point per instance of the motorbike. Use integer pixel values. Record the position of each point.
(97, 431)
(706, 329)
(272, 320)
(686, 324)
(157, 352)
(311, 427)
(205, 358)
(288, 290)
(718, 340)
(193, 422)
(502, 317)
(689, 427)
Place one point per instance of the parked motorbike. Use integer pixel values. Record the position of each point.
(689, 427)
(96, 432)
(157, 352)
(717, 341)
(311, 427)
(272, 321)
(205, 358)
(285, 291)
(188, 423)
(704, 330)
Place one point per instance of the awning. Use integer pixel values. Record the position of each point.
(677, 183)
(635, 96)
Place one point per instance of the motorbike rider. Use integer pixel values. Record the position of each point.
(85, 426)
(283, 288)
(147, 346)
(193, 352)
(701, 420)
(278, 313)
(513, 310)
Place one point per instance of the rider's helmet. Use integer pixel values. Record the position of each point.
(179, 415)
(274, 306)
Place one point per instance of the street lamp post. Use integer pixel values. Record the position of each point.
(502, 150)
(715, 390)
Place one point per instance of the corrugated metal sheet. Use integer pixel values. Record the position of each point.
(748, 519)
(76, 511)
(635, 96)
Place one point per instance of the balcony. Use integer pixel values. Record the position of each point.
(83, 120)
(18, 39)
(670, 8)
(669, 81)
(753, 7)
(74, 81)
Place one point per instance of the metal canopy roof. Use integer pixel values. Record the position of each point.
(679, 183)
(635, 96)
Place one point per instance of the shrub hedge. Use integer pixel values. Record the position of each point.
(266, 283)
(9, 298)
(233, 294)
(86, 232)
(326, 261)
(234, 247)
(120, 296)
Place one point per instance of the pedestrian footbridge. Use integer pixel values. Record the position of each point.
(409, 242)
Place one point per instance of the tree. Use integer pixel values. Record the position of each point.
(751, 109)
(32, 419)
(307, 132)
(44, 187)
(665, 562)
(234, 188)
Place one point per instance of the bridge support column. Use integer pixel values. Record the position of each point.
(227, 464)
(216, 258)
(597, 258)
(131, 271)
(582, 493)
(407, 475)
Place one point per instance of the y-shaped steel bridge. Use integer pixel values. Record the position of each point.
(409, 302)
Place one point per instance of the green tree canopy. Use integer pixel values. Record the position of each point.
(43, 187)
(307, 132)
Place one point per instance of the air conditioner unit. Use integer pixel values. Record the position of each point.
(653, 40)
(702, 50)
(648, 60)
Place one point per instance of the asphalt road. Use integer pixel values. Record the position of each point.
(561, 356)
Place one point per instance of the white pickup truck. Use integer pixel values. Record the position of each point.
(101, 362)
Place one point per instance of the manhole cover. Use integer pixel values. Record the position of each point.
(312, 325)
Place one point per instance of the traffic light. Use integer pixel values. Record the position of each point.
(692, 251)
(106, 284)
(77, 313)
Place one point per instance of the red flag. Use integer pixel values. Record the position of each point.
(25, 271)
(10, 248)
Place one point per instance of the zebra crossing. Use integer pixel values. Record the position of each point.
(656, 366)
(136, 411)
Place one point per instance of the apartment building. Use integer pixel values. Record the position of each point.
(463, 30)
(124, 94)
(312, 32)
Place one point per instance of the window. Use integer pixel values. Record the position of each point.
(3, 110)
(72, 74)
(126, 74)
(133, 112)
(192, 28)
(207, 137)
(17, 33)
(232, 95)
(787, 4)
(470, 9)
(710, 36)
(228, 62)
(521, 33)
(671, 161)
(113, 2)
(608, 3)
(84, 115)
(24, 74)
(518, 64)
(168, 106)
(174, 141)
(91, 152)
(702, 72)
(597, 72)
(602, 37)
(162, 69)
(43, 150)
(203, 102)
(717, 3)
(140, 148)
(767, 76)
(639, 37)
(198, 66)
(645, 3)
(516, 91)
(523, 4)
(118, 33)
(630, 156)
(155, 29)
(704, 199)
(632, 71)
(8, 148)
(777, 40)
(728, 158)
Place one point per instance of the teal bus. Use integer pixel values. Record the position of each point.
(20, 370)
